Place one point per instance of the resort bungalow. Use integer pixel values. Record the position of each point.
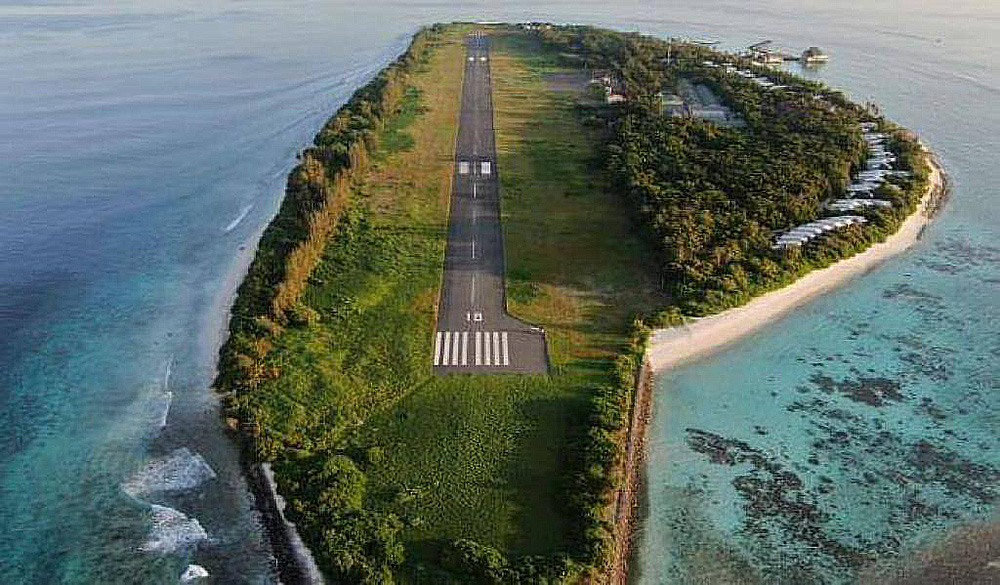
(601, 77)
(612, 98)
(804, 233)
(852, 204)
(710, 113)
(671, 104)
(882, 158)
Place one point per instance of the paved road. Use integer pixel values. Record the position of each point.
(474, 331)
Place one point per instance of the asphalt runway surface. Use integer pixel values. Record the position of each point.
(474, 332)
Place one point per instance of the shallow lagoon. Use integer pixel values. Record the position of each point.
(859, 427)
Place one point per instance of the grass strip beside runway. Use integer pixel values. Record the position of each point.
(464, 456)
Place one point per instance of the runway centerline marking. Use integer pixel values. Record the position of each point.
(475, 152)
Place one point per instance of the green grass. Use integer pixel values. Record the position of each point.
(395, 138)
(463, 456)
(574, 265)
(482, 457)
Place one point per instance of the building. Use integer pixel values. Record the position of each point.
(671, 104)
(814, 55)
(803, 234)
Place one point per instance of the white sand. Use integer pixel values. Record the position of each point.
(669, 347)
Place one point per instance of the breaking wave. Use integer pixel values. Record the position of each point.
(181, 470)
(243, 213)
(172, 531)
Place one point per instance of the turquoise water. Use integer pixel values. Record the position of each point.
(864, 425)
(145, 147)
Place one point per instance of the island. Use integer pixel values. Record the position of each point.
(438, 362)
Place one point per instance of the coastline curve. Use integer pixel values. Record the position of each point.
(672, 346)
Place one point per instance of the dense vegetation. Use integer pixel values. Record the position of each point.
(711, 197)
(393, 473)
(324, 488)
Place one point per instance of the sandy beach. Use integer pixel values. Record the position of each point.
(670, 347)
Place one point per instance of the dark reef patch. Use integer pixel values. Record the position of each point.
(959, 476)
(873, 391)
(777, 500)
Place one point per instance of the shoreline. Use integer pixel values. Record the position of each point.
(630, 495)
(676, 345)
(670, 347)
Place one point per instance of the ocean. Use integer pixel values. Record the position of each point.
(145, 147)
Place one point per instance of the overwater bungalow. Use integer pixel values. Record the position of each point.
(814, 55)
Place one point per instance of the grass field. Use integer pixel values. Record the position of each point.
(481, 456)
(464, 456)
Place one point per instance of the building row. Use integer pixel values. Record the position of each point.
(798, 236)
(879, 166)
(861, 193)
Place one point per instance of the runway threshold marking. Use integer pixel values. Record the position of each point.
(488, 348)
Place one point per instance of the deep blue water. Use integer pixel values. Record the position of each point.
(145, 147)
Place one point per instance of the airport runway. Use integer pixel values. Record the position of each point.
(474, 331)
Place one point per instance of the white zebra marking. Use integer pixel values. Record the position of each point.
(496, 348)
(447, 344)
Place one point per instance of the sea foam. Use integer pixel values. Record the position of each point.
(193, 573)
(179, 471)
(172, 531)
(243, 213)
